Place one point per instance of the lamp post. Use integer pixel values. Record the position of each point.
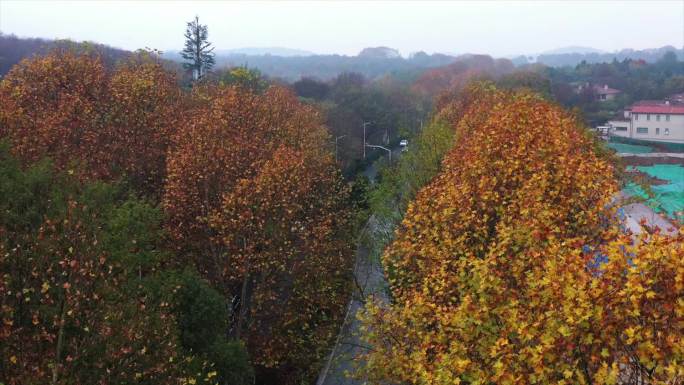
(364, 138)
(336, 139)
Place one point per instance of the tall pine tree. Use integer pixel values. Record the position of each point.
(198, 51)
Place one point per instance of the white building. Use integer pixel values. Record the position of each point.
(605, 93)
(602, 93)
(658, 121)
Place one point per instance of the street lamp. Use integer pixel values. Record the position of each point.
(336, 139)
(364, 138)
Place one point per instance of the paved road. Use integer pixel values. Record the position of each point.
(636, 212)
(371, 284)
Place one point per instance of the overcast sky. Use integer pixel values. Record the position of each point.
(500, 28)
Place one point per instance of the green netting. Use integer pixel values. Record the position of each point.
(629, 148)
(662, 146)
(668, 198)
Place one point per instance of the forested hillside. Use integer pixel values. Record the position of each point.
(13, 49)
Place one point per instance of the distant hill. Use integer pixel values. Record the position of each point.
(13, 49)
(380, 52)
(572, 49)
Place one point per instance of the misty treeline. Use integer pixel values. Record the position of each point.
(153, 233)
(650, 55)
(329, 66)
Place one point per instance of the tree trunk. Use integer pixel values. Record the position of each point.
(243, 306)
(60, 345)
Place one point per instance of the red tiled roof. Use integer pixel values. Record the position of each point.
(649, 103)
(658, 109)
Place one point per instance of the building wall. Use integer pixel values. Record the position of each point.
(606, 97)
(619, 128)
(670, 131)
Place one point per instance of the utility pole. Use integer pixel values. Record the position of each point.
(364, 138)
(336, 139)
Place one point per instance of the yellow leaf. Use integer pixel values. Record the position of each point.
(564, 331)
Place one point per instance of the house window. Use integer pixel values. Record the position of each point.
(667, 131)
(642, 130)
(648, 116)
(657, 130)
(658, 118)
(618, 128)
(636, 116)
(667, 117)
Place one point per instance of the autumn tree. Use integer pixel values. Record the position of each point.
(144, 108)
(54, 108)
(496, 270)
(640, 290)
(254, 200)
(73, 271)
(248, 78)
(283, 228)
(103, 124)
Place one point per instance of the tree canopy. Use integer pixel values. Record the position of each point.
(507, 268)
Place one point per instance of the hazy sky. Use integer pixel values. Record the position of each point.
(499, 28)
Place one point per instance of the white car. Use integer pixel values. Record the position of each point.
(403, 143)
